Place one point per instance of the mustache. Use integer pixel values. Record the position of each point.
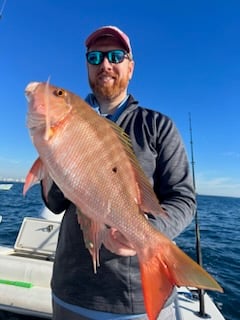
(106, 74)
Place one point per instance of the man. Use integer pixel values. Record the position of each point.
(115, 291)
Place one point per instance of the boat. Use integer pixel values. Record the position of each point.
(6, 186)
(26, 268)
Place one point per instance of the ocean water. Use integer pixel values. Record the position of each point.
(219, 221)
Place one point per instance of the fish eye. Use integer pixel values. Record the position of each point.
(60, 92)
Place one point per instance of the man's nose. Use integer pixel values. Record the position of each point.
(106, 64)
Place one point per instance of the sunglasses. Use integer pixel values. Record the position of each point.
(114, 56)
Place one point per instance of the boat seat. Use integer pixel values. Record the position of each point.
(37, 238)
(26, 269)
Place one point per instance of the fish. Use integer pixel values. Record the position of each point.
(92, 161)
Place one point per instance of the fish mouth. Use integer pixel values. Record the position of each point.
(30, 88)
(35, 119)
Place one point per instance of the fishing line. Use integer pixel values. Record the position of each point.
(1, 12)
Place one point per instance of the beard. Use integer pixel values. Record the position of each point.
(109, 91)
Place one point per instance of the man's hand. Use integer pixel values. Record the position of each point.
(115, 242)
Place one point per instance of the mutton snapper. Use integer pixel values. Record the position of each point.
(93, 163)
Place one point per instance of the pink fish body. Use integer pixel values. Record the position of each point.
(92, 162)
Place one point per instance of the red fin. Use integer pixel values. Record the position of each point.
(156, 287)
(186, 272)
(34, 175)
(169, 267)
(93, 237)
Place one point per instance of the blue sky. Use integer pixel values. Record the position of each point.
(187, 60)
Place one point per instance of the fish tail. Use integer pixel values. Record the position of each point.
(170, 267)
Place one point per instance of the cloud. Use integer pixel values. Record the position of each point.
(222, 186)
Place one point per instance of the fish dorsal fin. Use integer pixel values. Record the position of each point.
(146, 197)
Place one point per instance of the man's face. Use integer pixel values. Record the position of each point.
(108, 80)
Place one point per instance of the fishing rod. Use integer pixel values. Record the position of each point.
(3, 5)
(197, 229)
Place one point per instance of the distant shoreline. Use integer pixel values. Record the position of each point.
(198, 194)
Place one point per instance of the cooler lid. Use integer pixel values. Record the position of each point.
(37, 236)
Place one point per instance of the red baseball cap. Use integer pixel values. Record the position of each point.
(109, 31)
